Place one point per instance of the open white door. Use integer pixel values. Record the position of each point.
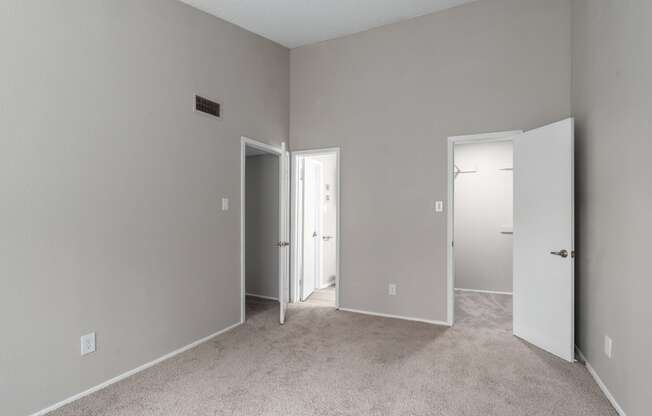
(312, 178)
(544, 286)
(284, 235)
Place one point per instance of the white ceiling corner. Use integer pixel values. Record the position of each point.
(294, 23)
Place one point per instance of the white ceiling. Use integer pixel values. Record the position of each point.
(295, 23)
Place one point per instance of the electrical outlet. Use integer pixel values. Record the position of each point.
(392, 289)
(608, 346)
(88, 343)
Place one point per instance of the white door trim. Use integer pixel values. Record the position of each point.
(450, 256)
(294, 273)
(279, 152)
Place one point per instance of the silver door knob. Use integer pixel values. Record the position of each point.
(562, 253)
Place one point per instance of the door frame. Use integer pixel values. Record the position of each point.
(295, 265)
(450, 224)
(283, 206)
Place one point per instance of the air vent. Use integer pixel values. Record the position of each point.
(206, 106)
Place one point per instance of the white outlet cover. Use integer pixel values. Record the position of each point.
(88, 343)
(439, 206)
(225, 204)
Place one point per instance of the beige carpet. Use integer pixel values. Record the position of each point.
(325, 362)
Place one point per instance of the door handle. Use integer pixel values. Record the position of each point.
(314, 235)
(282, 244)
(562, 253)
(327, 238)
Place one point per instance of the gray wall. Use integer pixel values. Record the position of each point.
(483, 212)
(390, 97)
(111, 186)
(612, 101)
(261, 225)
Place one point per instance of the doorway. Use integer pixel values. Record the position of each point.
(520, 259)
(483, 216)
(483, 232)
(264, 228)
(315, 227)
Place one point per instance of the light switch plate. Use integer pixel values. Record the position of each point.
(439, 206)
(392, 289)
(608, 346)
(88, 343)
(225, 204)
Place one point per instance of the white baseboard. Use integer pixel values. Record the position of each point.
(261, 296)
(131, 372)
(405, 318)
(491, 292)
(601, 384)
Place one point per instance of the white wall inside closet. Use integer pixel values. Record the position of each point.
(483, 216)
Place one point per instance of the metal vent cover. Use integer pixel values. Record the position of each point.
(206, 106)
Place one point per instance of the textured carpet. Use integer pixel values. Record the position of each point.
(325, 362)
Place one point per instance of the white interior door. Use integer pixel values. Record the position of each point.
(284, 235)
(312, 178)
(544, 286)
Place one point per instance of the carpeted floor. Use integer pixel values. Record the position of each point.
(326, 362)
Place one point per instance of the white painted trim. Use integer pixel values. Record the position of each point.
(317, 152)
(404, 318)
(490, 292)
(278, 151)
(450, 256)
(131, 372)
(267, 148)
(600, 383)
(501, 136)
(295, 219)
(253, 295)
